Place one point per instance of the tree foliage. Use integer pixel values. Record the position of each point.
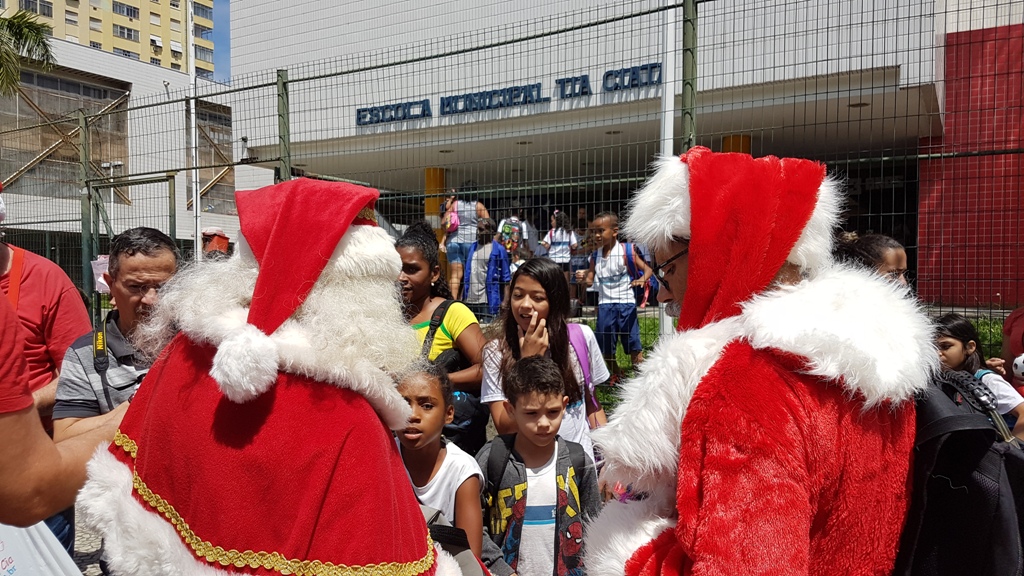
(22, 36)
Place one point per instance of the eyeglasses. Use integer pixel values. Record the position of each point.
(143, 289)
(658, 270)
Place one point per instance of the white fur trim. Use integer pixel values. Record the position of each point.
(136, 541)
(446, 564)
(363, 251)
(640, 444)
(849, 324)
(619, 530)
(245, 365)
(661, 208)
(813, 250)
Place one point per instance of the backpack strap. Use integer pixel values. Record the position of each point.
(579, 346)
(628, 255)
(577, 457)
(17, 267)
(435, 322)
(497, 462)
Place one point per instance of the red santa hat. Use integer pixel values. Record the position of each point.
(744, 218)
(271, 220)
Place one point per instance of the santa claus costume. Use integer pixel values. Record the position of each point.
(259, 442)
(772, 434)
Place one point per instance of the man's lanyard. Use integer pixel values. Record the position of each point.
(100, 360)
(14, 282)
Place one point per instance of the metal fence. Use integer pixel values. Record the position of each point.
(916, 105)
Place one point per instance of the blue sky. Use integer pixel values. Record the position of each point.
(222, 40)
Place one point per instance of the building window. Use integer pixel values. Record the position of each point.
(126, 33)
(175, 25)
(204, 54)
(154, 61)
(96, 24)
(71, 18)
(175, 3)
(154, 19)
(41, 7)
(201, 11)
(96, 3)
(205, 74)
(175, 66)
(126, 53)
(71, 38)
(203, 32)
(96, 45)
(126, 10)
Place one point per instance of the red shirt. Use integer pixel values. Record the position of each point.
(52, 316)
(14, 393)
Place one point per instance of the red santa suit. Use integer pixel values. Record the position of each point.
(773, 433)
(252, 447)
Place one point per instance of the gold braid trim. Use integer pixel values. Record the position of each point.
(268, 560)
(367, 214)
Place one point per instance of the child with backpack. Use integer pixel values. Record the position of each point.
(618, 268)
(534, 324)
(960, 350)
(442, 475)
(448, 331)
(541, 488)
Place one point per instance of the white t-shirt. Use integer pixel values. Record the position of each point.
(537, 543)
(611, 276)
(1007, 398)
(574, 424)
(560, 243)
(456, 468)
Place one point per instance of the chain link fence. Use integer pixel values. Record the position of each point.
(916, 105)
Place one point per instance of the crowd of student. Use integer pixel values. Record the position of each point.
(522, 498)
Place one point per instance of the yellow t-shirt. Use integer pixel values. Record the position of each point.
(456, 319)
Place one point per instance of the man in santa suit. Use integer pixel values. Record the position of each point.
(259, 442)
(772, 434)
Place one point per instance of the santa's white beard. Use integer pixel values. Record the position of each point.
(353, 314)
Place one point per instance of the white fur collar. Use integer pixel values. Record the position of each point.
(847, 323)
(246, 358)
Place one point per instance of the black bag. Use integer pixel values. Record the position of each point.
(967, 504)
(468, 429)
(452, 540)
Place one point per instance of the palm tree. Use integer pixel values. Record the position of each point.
(22, 35)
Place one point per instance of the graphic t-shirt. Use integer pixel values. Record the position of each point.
(457, 319)
(537, 547)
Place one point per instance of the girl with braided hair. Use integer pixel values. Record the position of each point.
(424, 290)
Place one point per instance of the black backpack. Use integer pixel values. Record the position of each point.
(468, 429)
(967, 507)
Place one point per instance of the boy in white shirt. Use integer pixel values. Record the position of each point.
(616, 303)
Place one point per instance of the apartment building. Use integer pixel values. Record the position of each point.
(153, 31)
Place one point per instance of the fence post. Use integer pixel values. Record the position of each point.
(689, 73)
(84, 156)
(284, 137)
